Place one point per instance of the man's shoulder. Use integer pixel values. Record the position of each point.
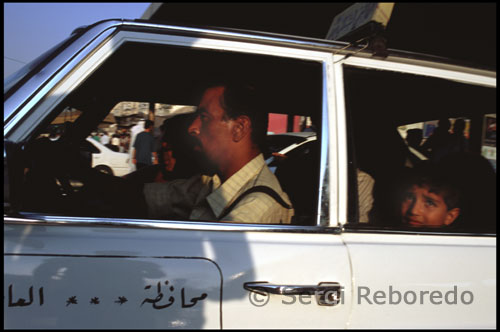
(144, 135)
(267, 178)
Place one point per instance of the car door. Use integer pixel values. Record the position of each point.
(66, 271)
(58, 275)
(414, 277)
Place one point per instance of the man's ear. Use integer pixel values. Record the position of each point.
(451, 216)
(241, 128)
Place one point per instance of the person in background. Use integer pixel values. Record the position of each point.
(125, 142)
(439, 142)
(104, 138)
(460, 143)
(134, 131)
(414, 139)
(309, 126)
(115, 141)
(145, 148)
(96, 136)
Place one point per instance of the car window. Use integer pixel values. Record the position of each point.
(411, 134)
(112, 105)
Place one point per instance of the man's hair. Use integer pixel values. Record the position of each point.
(148, 124)
(241, 99)
(244, 99)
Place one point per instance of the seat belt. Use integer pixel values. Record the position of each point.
(262, 189)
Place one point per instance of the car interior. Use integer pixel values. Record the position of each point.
(57, 175)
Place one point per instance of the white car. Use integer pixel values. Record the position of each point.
(285, 143)
(81, 259)
(106, 160)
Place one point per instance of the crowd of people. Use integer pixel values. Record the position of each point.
(444, 140)
(119, 141)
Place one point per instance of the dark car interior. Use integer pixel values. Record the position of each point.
(155, 74)
(392, 99)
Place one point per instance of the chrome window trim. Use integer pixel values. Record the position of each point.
(324, 45)
(47, 220)
(487, 79)
(324, 215)
(351, 229)
(17, 129)
(50, 220)
(242, 35)
(339, 141)
(17, 102)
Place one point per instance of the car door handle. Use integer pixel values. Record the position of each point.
(326, 293)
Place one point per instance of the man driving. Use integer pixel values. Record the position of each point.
(230, 133)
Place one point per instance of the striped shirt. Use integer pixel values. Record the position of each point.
(365, 195)
(205, 197)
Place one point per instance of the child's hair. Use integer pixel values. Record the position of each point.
(437, 181)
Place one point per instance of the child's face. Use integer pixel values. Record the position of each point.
(169, 160)
(421, 208)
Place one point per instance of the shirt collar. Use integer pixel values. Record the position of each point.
(223, 195)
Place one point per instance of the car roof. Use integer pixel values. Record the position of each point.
(338, 47)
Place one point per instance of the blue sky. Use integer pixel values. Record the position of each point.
(32, 28)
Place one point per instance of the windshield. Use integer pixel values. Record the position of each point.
(33, 67)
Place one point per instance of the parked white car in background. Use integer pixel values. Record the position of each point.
(108, 161)
(285, 143)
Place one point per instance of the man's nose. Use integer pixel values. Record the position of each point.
(194, 128)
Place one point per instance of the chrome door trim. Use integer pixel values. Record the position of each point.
(48, 220)
(352, 229)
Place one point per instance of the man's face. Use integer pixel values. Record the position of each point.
(422, 208)
(211, 129)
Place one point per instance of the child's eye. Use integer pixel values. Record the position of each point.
(430, 202)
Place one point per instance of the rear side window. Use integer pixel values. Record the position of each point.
(416, 139)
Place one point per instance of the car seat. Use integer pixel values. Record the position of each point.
(298, 175)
